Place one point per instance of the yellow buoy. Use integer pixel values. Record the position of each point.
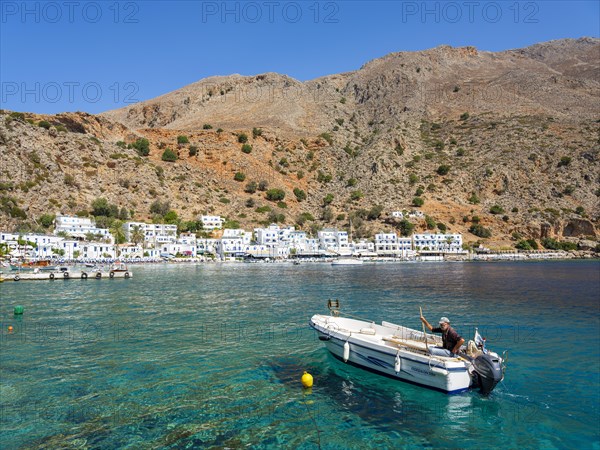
(307, 380)
(10, 329)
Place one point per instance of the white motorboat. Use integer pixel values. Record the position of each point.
(347, 262)
(408, 355)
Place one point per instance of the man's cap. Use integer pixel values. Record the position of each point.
(444, 320)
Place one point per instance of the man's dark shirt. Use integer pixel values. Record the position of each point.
(450, 338)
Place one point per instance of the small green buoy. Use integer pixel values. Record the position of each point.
(19, 310)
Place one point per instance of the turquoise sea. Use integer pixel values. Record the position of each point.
(210, 356)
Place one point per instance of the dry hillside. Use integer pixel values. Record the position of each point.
(511, 138)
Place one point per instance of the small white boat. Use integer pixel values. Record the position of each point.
(405, 354)
(347, 262)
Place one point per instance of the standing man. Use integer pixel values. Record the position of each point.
(450, 338)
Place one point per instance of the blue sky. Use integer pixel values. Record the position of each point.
(94, 56)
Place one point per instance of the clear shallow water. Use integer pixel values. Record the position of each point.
(211, 357)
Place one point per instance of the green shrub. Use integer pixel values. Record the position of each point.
(418, 201)
(460, 151)
(282, 205)
(406, 228)
(480, 231)
(46, 220)
(275, 194)
(443, 169)
(169, 155)
(193, 151)
(171, 217)
(300, 194)
(69, 180)
(256, 132)
(183, 140)
(142, 146)
(323, 177)
(251, 187)
(496, 209)
(550, 244)
(568, 246)
(246, 148)
(327, 214)
(442, 227)
(351, 182)
(327, 137)
(44, 124)
(304, 217)
(523, 245)
(356, 195)
(207, 126)
(239, 176)
(564, 161)
(375, 212)
(158, 207)
(262, 185)
(328, 199)
(430, 223)
(242, 138)
(276, 218)
(464, 116)
(263, 209)
(18, 115)
(473, 199)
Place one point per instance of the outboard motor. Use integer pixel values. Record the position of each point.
(489, 372)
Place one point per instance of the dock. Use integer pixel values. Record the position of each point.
(66, 275)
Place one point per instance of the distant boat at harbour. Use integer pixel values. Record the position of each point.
(347, 262)
(43, 264)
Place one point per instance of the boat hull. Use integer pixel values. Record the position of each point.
(369, 352)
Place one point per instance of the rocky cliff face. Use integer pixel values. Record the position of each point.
(511, 138)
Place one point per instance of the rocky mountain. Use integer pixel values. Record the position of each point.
(507, 143)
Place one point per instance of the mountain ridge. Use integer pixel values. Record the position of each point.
(505, 124)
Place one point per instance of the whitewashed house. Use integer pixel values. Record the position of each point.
(363, 247)
(334, 241)
(267, 236)
(386, 244)
(206, 246)
(79, 227)
(45, 245)
(90, 250)
(155, 234)
(212, 222)
(446, 243)
(301, 245)
(131, 251)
